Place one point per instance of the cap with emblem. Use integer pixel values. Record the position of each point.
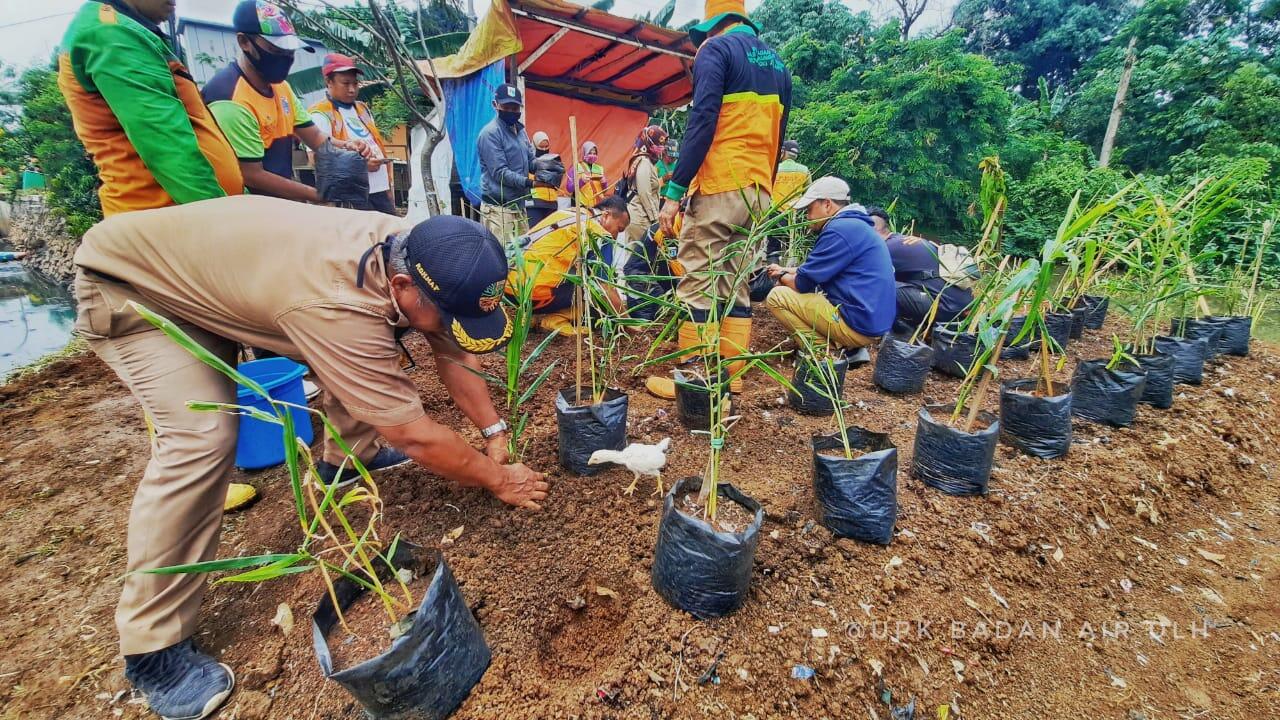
(257, 17)
(507, 95)
(824, 188)
(460, 266)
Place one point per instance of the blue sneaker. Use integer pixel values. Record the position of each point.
(180, 682)
(386, 459)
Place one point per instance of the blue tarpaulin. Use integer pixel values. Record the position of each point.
(468, 108)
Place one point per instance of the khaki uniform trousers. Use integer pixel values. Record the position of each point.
(814, 315)
(713, 247)
(176, 515)
(504, 221)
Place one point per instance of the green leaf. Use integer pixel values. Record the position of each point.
(237, 563)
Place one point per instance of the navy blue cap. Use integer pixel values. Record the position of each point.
(460, 265)
(507, 94)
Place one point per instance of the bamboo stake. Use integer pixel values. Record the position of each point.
(577, 293)
(1267, 227)
(981, 392)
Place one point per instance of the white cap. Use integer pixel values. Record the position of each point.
(540, 137)
(824, 188)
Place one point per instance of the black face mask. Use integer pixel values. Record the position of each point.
(272, 67)
(510, 117)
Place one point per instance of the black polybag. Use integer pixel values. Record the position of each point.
(1107, 396)
(342, 176)
(951, 460)
(810, 393)
(953, 351)
(859, 496)
(698, 569)
(1158, 392)
(430, 669)
(759, 285)
(693, 401)
(1019, 351)
(548, 169)
(585, 429)
(1038, 426)
(1058, 327)
(1188, 357)
(1079, 319)
(1098, 305)
(1207, 329)
(1236, 331)
(901, 367)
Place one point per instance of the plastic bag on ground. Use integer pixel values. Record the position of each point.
(1107, 396)
(1079, 319)
(1158, 391)
(585, 429)
(1207, 328)
(810, 396)
(698, 569)
(901, 368)
(1098, 305)
(342, 177)
(429, 670)
(1236, 331)
(858, 497)
(1020, 351)
(953, 351)
(693, 401)
(1058, 326)
(951, 460)
(1188, 358)
(1038, 426)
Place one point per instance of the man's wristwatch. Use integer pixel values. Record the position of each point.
(495, 429)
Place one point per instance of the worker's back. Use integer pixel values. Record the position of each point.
(740, 144)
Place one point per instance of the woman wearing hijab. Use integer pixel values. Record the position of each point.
(642, 184)
(587, 178)
(542, 197)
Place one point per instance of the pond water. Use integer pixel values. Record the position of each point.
(35, 317)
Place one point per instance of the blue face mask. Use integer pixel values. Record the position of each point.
(510, 117)
(272, 67)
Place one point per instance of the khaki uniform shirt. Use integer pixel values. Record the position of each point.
(269, 273)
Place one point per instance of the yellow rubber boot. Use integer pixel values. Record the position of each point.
(735, 340)
(239, 496)
(562, 320)
(689, 336)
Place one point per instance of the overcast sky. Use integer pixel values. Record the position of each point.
(29, 31)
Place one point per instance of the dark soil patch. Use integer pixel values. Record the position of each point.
(960, 609)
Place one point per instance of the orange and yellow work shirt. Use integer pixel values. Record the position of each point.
(741, 97)
(792, 180)
(139, 114)
(550, 252)
(354, 122)
(260, 127)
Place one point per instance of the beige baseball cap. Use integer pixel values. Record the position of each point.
(824, 188)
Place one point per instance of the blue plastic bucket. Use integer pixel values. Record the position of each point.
(261, 444)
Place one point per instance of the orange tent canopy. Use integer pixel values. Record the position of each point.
(572, 51)
(608, 71)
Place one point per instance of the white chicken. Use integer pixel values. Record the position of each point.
(640, 459)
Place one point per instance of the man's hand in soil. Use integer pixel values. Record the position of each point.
(667, 217)
(521, 487)
(497, 450)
